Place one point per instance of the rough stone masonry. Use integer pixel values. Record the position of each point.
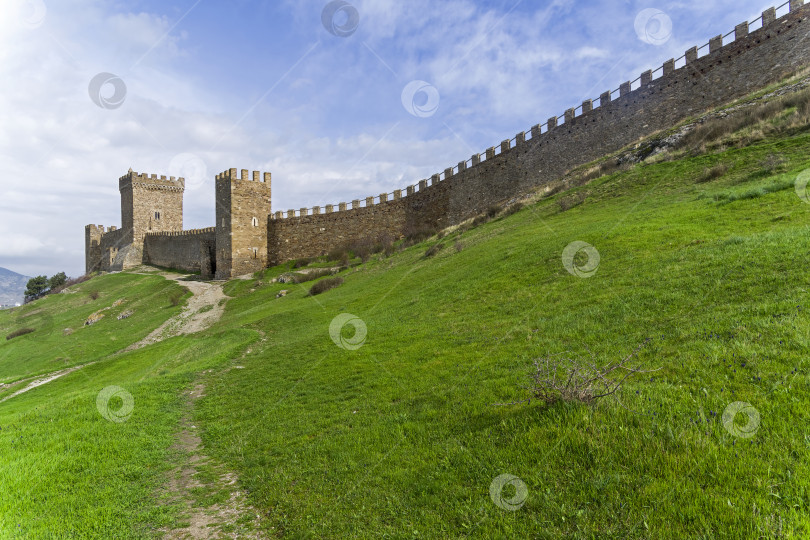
(247, 237)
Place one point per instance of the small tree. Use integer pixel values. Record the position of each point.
(57, 280)
(35, 288)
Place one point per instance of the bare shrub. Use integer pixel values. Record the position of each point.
(458, 245)
(175, 298)
(574, 379)
(513, 209)
(18, 333)
(494, 210)
(773, 163)
(303, 277)
(433, 250)
(415, 233)
(300, 263)
(567, 203)
(361, 247)
(94, 295)
(325, 285)
(479, 220)
(340, 254)
(712, 173)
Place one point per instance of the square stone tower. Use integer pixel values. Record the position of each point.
(150, 204)
(242, 210)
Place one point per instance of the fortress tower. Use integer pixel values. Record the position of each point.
(243, 208)
(150, 204)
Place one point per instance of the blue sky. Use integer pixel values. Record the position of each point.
(265, 86)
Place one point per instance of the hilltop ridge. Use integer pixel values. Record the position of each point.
(12, 287)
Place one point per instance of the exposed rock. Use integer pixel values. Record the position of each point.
(125, 315)
(94, 318)
(282, 293)
(288, 277)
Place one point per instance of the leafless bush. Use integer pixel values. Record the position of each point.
(773, 163)
(175, 298)
(710, 174)
(561, 378)
(94, 295)
(433, 250)
(513, 209)
(494, 210)
(303, 277)
(340, 255)
(299, 263)
(415, 233)
(459, 246)
(567, 203)
(325, 285)
(18, 333)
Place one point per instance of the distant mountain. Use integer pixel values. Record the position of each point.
(12, 287)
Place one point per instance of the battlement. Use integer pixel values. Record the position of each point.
(188, 232)
(716, 47)
(146, 181)
(257, 176)
(97, 231)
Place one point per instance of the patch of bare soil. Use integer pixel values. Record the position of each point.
(202, 310)
(41, 381)
(233, 518)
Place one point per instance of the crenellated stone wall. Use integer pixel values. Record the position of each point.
(756, 54)
(247, 237)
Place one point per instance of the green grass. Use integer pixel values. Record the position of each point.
(48, 349)
(69, 472)
(402, 437)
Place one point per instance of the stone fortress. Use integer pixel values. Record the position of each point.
(247, 236)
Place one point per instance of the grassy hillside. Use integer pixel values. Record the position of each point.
(60, 338)
(702, 258)
(401, 437)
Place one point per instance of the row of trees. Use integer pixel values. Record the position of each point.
(41, 285)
